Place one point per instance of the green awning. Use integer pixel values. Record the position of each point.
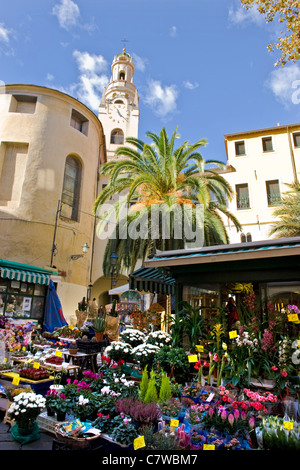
(152, 280)
(24, 272)
(25, 276)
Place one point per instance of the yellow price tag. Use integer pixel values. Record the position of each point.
(71, 327)
(208, 447)
(200, 348)
(293, 317)
(36, 365)
(288, 424)
(174, 423)
(16, 380)
(24, 348)
(5, 360)
(232, 334)
(139, 442)
(58, 353)
(193, 358)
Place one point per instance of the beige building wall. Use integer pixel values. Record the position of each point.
(256, 166)
(36, 136)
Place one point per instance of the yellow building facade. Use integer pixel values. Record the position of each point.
(260, 164)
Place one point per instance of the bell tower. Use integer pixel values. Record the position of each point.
(119, 107)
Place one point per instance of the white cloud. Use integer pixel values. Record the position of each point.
(285, 83)
(173, 31)
(91, 81)
(161, 99)
(4, 33)
(139, 62)
(189, 85)
(67, 13)
(238, 15)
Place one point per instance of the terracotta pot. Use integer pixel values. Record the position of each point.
(99, 336)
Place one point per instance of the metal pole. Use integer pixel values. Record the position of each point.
(54, 234)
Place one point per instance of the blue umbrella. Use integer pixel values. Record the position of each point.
(54, 317)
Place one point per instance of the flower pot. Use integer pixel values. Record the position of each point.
(50, 412)
(25, 435)
(60, 415)
(56, 387)
(99, 336)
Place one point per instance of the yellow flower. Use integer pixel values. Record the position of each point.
(224, 346)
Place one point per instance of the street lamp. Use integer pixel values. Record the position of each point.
(85, 249)
(113, 262)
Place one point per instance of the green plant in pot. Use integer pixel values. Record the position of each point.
(99, 324)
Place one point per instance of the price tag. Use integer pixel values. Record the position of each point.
(36, 365)
(16, 380)
(293, 317)
(200, 348)
(208, 447)
(210, 397)
(29, 361)
(24, 348)
(193, 358)
(288, 424)
(5, 360)
(174, 423)
(58, 353)
(232, 334)
(139, 442)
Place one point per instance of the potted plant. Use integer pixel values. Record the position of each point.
(61, 406)
(50, 401)
(99, 325)
(24, 411)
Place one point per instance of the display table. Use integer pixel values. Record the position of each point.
(83, 360)
(38, 386)
(73, 368)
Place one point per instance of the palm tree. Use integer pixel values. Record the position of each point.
(160, 175)
(288, 213)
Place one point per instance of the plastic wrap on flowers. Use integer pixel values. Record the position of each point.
(23, 436)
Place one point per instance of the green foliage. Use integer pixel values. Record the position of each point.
(151, 393)
(165, 392)
(173, 361)
(144, 384)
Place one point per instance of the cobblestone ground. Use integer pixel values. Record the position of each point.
(7, 442)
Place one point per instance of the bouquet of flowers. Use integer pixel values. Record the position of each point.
(25, 409)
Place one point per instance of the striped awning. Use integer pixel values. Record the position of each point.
(25, 276)
(152, 280)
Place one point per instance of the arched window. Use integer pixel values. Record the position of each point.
(243, 238)
(71, 188)
(117, 137)
(122, 75)
(249, 237)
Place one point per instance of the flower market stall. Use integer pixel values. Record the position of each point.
(205, 384)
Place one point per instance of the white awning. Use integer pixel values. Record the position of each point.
(119, 290)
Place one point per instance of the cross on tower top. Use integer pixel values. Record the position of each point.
(124, 41)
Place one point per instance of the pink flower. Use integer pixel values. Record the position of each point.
(224, 414)
(236, 413)
(274, 368)
(210, 412)
(231, 419)
(252, 422)
(283, 373)
(243, 415)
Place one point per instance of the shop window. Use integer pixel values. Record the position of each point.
(267, 144)
(79, 122)
(71, 188)
(23, 104)
(240, 148)
(117, 137)
(273, 193)
(22, 300)
(242, 196)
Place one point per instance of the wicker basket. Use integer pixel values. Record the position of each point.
(76, 443)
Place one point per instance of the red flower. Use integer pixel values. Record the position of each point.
(197, 365)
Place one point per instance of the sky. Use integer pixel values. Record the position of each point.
(201, 66)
